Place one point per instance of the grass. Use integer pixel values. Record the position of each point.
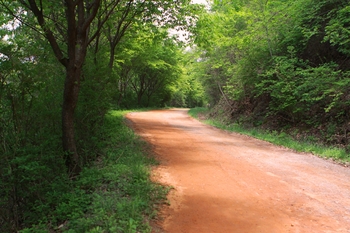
(113, 195)
(281, 139)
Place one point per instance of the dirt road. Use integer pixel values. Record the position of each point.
(225, 182)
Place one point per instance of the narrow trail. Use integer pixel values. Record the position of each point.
(225, 182)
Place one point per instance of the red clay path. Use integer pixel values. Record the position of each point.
(229, 183)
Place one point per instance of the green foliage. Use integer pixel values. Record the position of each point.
(146, 68)
(35, 189)
(278, 63)
(278, 138)
(32, 164)
(188, 90)
(123, 193)
(97, 89)
(114, 194)
(295, 88)
(338, 32)
(34, 186)
(195, 112)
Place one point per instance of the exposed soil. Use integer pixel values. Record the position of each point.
(225, 182)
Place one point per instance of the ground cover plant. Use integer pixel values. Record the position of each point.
(308, 144)
(282, 66)
(113, 194)
(63, 66)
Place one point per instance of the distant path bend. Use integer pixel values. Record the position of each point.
(229, 183)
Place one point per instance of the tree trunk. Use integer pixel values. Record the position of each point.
(111, 56)
(77, 43)
(79, 16)
(70, 99)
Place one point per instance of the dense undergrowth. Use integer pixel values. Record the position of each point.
(114, 194)
(279, 65)
(289, 138)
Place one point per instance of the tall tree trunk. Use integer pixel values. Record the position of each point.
(70, 99)
(111, 57)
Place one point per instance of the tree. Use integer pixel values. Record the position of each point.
(71, 26)
(277, 59)
(147, 66)
(37, 93)
(76, 18)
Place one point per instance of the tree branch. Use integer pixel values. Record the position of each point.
(47, 32)
(103, 21)
(19, 18)
(96, 6)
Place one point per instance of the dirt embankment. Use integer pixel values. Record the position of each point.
(225, 182)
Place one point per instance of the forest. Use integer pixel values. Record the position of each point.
(279, 65)
(65, 65)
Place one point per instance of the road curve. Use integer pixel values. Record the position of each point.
(225, 182)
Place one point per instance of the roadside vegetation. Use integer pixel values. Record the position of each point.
(113, 194)
(279, 67)
(307, 144)
(68, 164)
